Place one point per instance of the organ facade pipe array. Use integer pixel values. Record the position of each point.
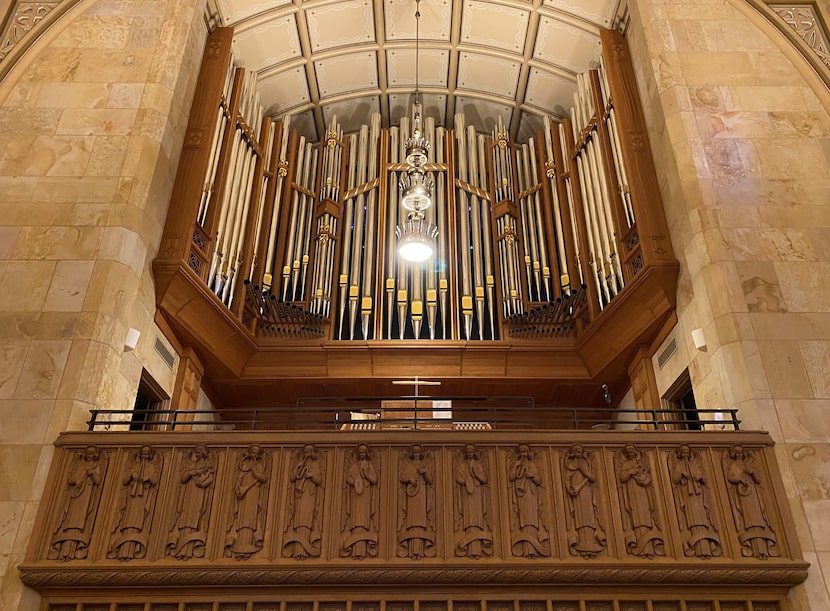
(522, 227)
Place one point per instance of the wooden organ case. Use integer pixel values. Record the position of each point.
(552, 262)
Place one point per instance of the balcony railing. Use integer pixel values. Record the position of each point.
(417, 413)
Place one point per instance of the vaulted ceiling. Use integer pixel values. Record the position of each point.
(514, 59)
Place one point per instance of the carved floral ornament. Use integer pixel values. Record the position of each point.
(804, 19)
(26, 17)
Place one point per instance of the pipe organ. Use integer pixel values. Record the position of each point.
(298, 238)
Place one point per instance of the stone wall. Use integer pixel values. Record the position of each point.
(742, 148)
(91, 125)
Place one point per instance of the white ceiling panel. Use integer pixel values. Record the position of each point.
(237, 10)
(483, 114)
(432, 70)
(488, 74)
(529, 126)
(435, 25)
(494, 25)
(434, 107)
(284, 91)
(562, 44)
(266, 45)
(549, 92)
(340, 24)
(597, 11)
(304, 124)
(346, 74)
(352, 113)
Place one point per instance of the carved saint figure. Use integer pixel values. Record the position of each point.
(359, 526)
(586, 537)
(80, 504)
(528, 535)
(754, 532)
(246, 530)
(416, 526)
(140, 486)
(472, 507)
(642, 533)
(303, 527)
(189, 531)
(688, 476)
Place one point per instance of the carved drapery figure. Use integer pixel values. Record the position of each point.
(754, 532)
(472, 507)
(360, 526)
(634, 485)
(528, 535)
(140, 487)
(303, 528)
(189, 531)
(586, 536)
(689, 481)
(80, 505)
(416, 523)
(246, 530)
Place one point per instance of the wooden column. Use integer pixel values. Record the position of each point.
(636, 150)
(187, 385)
(187, 189)
(644, 385)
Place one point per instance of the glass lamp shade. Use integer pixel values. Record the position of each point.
(416, 240)
(417, 150)
(416, 189)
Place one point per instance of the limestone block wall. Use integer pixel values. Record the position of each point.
(91, 125)
(741, 135)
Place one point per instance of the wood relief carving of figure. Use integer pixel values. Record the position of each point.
(416, 525)
(528, 535)
(246, 531)
(140, 486)
(189, 531)
(754, 531)
(360, 525)
(586, 536)
(80, 505)
(303, 529)
(691, 498)
(472, 504)
(634, 484)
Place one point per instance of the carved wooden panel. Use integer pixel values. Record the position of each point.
(510, 509)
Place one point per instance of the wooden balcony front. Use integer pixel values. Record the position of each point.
(171, 514)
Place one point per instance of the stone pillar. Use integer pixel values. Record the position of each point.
(740, 139)
(91, 127)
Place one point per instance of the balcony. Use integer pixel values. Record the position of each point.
(428, 507)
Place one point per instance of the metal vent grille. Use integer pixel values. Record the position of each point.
(667, 353)
(164, 352)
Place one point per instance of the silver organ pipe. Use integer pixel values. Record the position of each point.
(616, 147)
(556, 207)
(273, 236)
(463, 235)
